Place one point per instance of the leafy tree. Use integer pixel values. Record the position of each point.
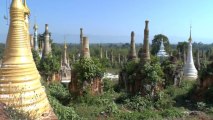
(87, 69)
(36, 58)
(106, 63)
(157, 41)
(49, 66)
(57, 50)
(182, 46)
(152, 75)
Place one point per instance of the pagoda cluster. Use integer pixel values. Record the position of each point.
(133, 79)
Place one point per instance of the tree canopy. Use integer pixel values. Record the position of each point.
(157, 41)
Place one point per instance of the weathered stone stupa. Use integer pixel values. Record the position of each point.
(101, 52)
(35, 37)
(198, 60)
(145, 52)
(81, 40)
(106, 54)
(65, 67)
(132, 52)
(47, 46)
(162, 52)
(20, 85)
(85, 49)
(190, 72)
(119, 58)
(111, 57)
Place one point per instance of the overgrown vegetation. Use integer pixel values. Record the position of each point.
(167, 104)
(59, 97)
(87, 69)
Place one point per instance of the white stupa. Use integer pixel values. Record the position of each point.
(162, 52)
(190, 72)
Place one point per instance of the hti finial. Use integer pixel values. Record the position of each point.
(65, 44)
(190, 37)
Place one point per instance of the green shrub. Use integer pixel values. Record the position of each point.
(150, 115)
(61, 93)
(108, 85)
(87, 69)
(201, 106)
(128, 116)
(139, 103)
(172, 113)
(130, 67)
(208, 95)
(163, 101)
(112, 108)
(61, 111)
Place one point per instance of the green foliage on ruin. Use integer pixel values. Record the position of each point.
(88, 69)
(36, 58)
(59, 97)
(152, 72)
(48, 66)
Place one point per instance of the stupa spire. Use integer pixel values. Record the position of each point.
(27, 10)
(86, 51)
(65, 53)
(35, 37)
(101, 52)
(47, 47)
(106, 54)
(190, 72)
(146, 53)
(81, 39)
(20, 85)
(198, 60)
(112, 57)
(190, 37)
(132, 53)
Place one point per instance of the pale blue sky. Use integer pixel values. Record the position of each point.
(113, 20)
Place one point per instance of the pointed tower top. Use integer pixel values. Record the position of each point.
(81, 30)
(162, 45)
(65, 44)
(26, 9)
(46, 28)
(147, 24)
(190, 37)
(16, 4)
(132, 34)
(35, 27)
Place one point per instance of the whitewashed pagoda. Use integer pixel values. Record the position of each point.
(162, 52)
(190, 72)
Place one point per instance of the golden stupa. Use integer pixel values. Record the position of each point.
(20, 85)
